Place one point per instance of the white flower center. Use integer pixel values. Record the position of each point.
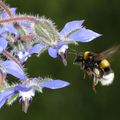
(22, 54)
(27, 94)
(63, 49)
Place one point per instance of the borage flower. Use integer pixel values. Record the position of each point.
(16, 28)
(25, 92)
(10, 33)
(4, 30)
(24, 54)
(11, 67)
(57, 42)
(9, 27)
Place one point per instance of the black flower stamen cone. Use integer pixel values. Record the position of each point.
(63, 57)
(25, 105)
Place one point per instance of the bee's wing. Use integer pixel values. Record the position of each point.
(107, 53)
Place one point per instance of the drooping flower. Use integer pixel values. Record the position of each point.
(24, 26)
(11, 32)
(6, 29)
(9, 27)
(25, 92)
(57, 42)
(59, 51)
(23, 54)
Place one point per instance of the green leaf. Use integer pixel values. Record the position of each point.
(12, 99)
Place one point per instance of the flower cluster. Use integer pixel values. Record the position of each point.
(24, 35)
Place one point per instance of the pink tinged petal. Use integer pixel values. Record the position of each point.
(13, 69)
(3, 44)
(37, 48)
(84, 35)
(52, 52)
(71, 26)
(5, 95)
(55, 84)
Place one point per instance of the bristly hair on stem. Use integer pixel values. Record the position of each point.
(7, 54)
(5, 7)
(19, 19)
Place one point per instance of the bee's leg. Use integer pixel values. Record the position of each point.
(84, 75)
(95, 82)
(89, 72)
(94, 87)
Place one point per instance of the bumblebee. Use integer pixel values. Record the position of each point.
(97, 66)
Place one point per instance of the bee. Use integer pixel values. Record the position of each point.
(97, 66)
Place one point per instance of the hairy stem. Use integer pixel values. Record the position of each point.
(7, 54)
(19, 19)
(5, 7)
(7, 10)
(25, 37)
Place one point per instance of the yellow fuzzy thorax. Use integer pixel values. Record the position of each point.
(104, 63)
(86, 55)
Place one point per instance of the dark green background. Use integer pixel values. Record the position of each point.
(77, 101)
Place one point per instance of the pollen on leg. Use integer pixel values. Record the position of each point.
(95, 82)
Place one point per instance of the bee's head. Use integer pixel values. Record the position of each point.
(78, 59)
